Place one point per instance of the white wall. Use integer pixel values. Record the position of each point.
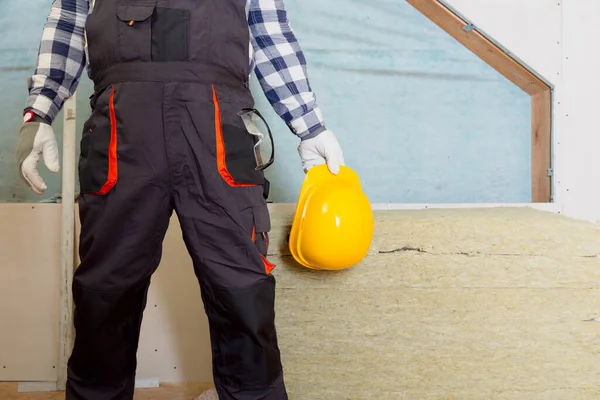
(558, 39)
(578, 143)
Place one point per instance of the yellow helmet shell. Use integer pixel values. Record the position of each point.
(333, 224)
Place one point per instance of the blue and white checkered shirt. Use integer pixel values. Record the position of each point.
(275, 56)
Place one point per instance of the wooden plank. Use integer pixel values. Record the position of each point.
(480, 45)
(67, 240)
(541, 139)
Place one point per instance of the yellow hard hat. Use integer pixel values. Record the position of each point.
(333, 224)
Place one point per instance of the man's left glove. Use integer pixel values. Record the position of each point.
(36, 137)
(321, 149)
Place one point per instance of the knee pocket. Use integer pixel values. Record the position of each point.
(243, 336)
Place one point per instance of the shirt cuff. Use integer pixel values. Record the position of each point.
(308, 125)
(41, 106)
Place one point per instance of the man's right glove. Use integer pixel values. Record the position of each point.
(321, 149)
(36, 137)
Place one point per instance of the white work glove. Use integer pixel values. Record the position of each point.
(36, 138)
(321, 149)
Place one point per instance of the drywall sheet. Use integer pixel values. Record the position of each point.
(175, 346)
(29, 290)
(531, 30)
(419, 117)
(577, 161)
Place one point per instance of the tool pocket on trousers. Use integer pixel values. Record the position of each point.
(98, 169)
(262, 227)
(236, 160)
(260, 234)
(135, 30)
(170, 34)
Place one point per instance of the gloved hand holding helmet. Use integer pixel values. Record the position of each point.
(36, 137)
(321, 149)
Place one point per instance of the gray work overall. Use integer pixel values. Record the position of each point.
(170, 78)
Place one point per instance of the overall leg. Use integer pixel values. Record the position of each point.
(124, 208)
(225, 227)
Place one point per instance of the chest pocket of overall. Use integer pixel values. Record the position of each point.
(150, 33)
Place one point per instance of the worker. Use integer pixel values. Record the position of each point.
(165, 134)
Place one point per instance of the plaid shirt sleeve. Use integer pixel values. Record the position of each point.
(280, 67)
(61, 58)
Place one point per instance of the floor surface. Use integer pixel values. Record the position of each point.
(188, 391)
